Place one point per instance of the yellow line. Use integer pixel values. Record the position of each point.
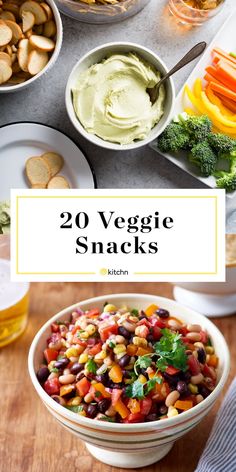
(118, 196)
(175, 273)
(56, 273)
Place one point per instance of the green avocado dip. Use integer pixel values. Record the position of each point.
(111, 99)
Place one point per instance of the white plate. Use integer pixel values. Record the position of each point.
(225, 39)
(19, 141)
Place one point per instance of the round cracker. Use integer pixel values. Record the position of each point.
(37, 171)
(58, 182)
(55, 162)
(38, 186)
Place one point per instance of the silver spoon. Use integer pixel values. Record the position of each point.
(196, 51)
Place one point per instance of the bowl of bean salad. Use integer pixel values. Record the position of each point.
(129, 374)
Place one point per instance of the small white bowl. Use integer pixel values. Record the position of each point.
(97, 55)
(52, 60)
(140, 444)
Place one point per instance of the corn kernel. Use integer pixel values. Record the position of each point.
(91, 329)
(100, 356)
(172, 411)
(210, 350)
(139, 341)
(81, 413)
(142, 379)
(51, 365)
(193, 388)
(109, 307)
(83, 358)
(120, 348)
(74, 401)
(83, 335)
(72, 352)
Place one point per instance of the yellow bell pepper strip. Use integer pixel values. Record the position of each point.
(190, 111)
(121, 409)
(215, 112)
(194, 100)
(133, 405)
(217, 101)
(183, 405)
(115, 374)
(197, 88)
(151, 310)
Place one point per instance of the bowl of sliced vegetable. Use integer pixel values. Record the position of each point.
(129, 374)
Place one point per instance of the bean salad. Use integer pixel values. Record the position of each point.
(127, 365)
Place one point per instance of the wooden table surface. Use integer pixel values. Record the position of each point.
(30, 439)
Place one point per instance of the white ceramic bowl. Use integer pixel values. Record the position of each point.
(97, 55)
(52, 60)
(140, 444)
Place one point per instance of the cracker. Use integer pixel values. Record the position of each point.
(58, 182)
(37, 171)
(55, 162)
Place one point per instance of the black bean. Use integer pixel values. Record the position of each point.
(124, 361)
(76, 368)
(171, 379)
(103, 405)
(58, 399)
(62, 363)
(201, 355)
(163, 409)
(187, 376)
(163, 313)
(150, 338)
(79, 376)
(92, 410)
(43, 374)
(204, 391)
(103, 378)
(181, 387)
(124, 332)
(151, 417)
(143, 315)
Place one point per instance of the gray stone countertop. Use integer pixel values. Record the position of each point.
(44, 101)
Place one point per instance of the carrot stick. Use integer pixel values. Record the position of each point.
(228, 103)
(223, 90)
(224, 54)
(217, 77)
(227, 73)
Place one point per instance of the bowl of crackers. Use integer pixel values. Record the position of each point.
(100, 11)
(30, 41)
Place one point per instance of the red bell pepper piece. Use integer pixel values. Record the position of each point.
(145, 322)
(194, 365)
(83, 386)
(52, 386)
(116, 394)
(93, 313)
(156, 322)
(156, 332)
(172, 370)
(209, 372)
(145, 406)
(134, 418)
(50, 355)
(55, 328)
(95, 349)
(106, 332)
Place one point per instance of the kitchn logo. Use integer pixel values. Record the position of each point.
(104, 271)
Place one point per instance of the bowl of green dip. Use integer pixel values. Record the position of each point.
(107, 97)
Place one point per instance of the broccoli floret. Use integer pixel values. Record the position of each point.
(221, 143)
(227, 180)
(198, 127)
(204, 157)
(173, 139)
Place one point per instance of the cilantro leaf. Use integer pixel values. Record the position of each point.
(135, 390)
(106, 418)
(74, 408)
(171, 351)
(151, 384)
(143, 362)
(54, 369)
(91, 366)
(135, 312)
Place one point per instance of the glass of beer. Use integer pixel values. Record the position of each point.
(195, 12)
(14, 299)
